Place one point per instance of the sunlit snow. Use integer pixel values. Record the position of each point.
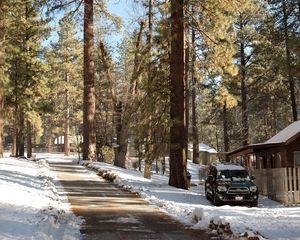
(30, 207)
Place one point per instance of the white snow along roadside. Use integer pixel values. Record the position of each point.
(30, 207)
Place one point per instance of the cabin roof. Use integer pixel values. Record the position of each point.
(203, 148)
(286, 134)
(284, 137)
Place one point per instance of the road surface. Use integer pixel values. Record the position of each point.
(115, 214)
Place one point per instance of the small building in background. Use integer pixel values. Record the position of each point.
(59, 142)
(207, 154)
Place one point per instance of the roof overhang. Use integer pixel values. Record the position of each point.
(249, 149)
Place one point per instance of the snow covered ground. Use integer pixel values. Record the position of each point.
(270, 219)
(30, 207)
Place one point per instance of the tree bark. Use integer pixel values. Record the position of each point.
(124, 111)
(289, 63)
(28, 80)
(50, 144)
(178, 168)
(89, 106)
(245, 127)
(187, 89)
(194, 110)
(120, 109)
(15, 148)
(149, 143)
(122, 136)
(14, 143)
(67, 120)
(225, 130)
(2, 73)
(121, 130)
(20, 139)
(29, 139)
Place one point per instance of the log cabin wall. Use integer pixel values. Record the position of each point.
(290, 151)
(274, 157)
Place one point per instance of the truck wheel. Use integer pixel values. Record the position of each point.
(206, 194)
(216, 201)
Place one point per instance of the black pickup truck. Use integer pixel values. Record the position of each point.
(230, 183)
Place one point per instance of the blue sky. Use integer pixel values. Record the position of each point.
(129, 12)
(121, 8)
(125, 9)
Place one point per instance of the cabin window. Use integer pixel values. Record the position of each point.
(276, 160)
(261, 162)
(297, 158)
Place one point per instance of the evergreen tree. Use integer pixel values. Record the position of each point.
(89, 107)
(2, 71)
(213, 46)
(248, 20)
(151, 120)
(193, 93)
(65, 59)
(26, 67)
(178, 163)
(286, 14)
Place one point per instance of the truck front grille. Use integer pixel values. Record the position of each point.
(238, 190)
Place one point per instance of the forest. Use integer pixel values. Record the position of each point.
(221, 72)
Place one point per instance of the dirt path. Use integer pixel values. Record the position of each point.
(114, 214)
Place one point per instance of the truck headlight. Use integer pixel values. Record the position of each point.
(222, 189)
(253, 189)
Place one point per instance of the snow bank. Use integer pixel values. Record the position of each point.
(29, 203)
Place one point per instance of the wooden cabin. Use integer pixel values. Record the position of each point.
(275, 164)
(282, 150)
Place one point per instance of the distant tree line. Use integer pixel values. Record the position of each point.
(221, 72)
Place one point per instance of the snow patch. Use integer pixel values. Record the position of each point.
(30, 205)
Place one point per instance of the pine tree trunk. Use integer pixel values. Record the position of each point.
(122, 136)
(289, 63)
(121, 128)
(245, 127)
(123, 112)
(29, 140)
(20, 140)
(67, 121)
(50, 144)
(89, 106)
(120, 156)
(225, 130)
(1, 117)
(28, 79)
(178, 168)
(15, 149)
(274, 117)
(149, 142)
(14, 143)
(187, 93)
(147, 170)
(163, 165)
(2, 73)
(194, 110)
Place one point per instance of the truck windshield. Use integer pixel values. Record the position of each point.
(233, 174)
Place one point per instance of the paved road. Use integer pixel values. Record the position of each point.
(112, 213)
